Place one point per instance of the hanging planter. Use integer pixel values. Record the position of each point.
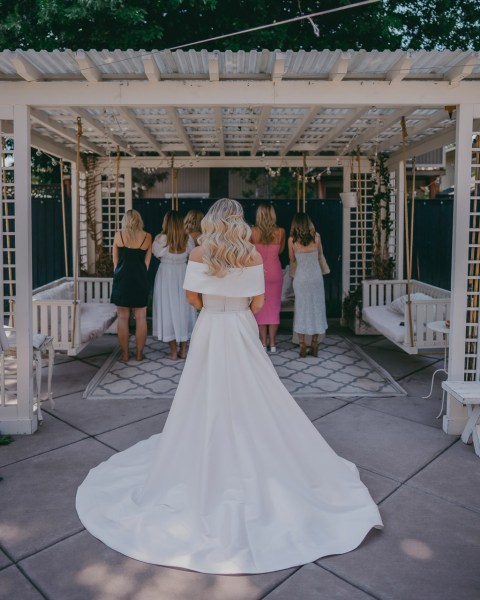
(349, 199)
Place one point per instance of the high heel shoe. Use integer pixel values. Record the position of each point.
(314, 349)
(303, 350)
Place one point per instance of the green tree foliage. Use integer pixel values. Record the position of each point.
(159, 24)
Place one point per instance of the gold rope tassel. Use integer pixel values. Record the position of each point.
(64, 218)
(6, 216)
(407, 230)
(76, 266)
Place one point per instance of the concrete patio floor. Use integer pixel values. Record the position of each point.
(427, 485)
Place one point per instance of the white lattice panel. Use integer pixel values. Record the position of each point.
(365, 184)
(8, 230)
(472, 333)
(111, 216)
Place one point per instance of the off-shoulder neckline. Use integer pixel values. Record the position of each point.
(194, 262)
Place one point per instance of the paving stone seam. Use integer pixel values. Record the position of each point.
(355, 585)
(330, 412)
(277, 585)
(390, 414)
(32, 582)
(449, 500)
(81, 529)
(16, 462)
(7, 554)
(422, 368)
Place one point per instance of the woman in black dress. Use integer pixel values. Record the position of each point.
(132, 250)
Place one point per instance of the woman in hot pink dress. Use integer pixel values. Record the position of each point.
(269, 241)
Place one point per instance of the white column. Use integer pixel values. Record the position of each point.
(400, 218)
(456, 417)
(27, 419)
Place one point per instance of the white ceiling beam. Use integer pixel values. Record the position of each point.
(461, 70)
(340, 67)
(424, 124)
(25, 68)
(370, 135)
(261, 126)
(151, 69)
(140, 128)
(213, 67)
(433, 142)
(69, 134)
(87, 67)
(175, 119)
(205, 162)
(344, 123)
(305, 123)
(100, 128)
(201, 93)
(278, 69)
(42, 143)
(401, 68)
(219, 128)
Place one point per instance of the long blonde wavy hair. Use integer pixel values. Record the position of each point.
(193, 220)
(174, 229)
(132, 223)
(266, 223)
(226, 238)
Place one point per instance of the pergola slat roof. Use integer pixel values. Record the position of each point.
(231, 130)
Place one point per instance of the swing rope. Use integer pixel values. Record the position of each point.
(304, 185)
(6, 217)
(64, 218)
(76, 266)
(117, 194)
(408, 241)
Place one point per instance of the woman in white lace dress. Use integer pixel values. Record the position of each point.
(173, 317)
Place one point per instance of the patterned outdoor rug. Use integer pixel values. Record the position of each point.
(342, 369)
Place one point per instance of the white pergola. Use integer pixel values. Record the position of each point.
(230, 109)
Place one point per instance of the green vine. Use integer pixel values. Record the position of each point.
(383, 264)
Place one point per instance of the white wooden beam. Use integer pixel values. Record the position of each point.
(23, 268)
(151, 69)
(344, 123)
(305, 123)
(278, 69)
(261, 126)
(340, 66)
(432, 142)
(400, 68)
(25, 68)
(213, 67)
(100, 128)
(462, 69)
(87, 67)
(200, 93)
(386, 123)
(219, 129)
(175, 119)
(423, 125)
(43, 143)
(62, 131)
(134, 122)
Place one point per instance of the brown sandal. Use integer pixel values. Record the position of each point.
(303, 350)
(314, 349)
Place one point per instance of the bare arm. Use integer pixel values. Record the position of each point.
(291, 252)
(115, 252)
(148, 255)
(257, 303)
(282, 240)
(195, 299)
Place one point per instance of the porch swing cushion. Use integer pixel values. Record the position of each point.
(95, 319)
(398, 305)
(387, 322)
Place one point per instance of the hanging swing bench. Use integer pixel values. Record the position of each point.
(400, 310)
(74, 310)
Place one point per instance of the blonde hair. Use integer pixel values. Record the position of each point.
(266, 223)
(193, 220)
(302, 229)
(132, 223)
(175, 231)
(226, 238)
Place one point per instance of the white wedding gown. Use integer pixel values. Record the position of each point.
(240, 481)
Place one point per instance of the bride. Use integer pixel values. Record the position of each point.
(239, 481)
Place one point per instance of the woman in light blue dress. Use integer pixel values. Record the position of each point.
(304, 247)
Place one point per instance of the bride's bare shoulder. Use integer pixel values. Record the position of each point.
(196, 255)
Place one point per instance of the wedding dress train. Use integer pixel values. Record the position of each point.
(239, 481)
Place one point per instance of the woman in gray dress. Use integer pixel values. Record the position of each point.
(304, 246)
